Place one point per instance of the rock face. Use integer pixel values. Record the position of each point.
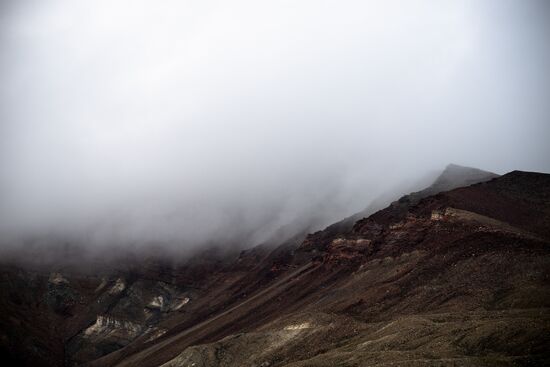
(438, 278)
(452, 177)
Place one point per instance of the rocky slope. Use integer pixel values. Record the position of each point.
(452, 278)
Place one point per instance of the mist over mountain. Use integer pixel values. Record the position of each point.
(188, 123)
(443, 277)
(283, 183)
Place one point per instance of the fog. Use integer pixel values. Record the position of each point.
(193, 122)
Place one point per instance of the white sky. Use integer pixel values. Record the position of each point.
(203, 120)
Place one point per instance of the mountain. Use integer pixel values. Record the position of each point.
(451, 177)
(453, 275)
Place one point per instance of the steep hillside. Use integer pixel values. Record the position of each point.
(455, 281)
(453, 278)
(452, 177)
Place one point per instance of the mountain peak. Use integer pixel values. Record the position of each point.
(455, 175)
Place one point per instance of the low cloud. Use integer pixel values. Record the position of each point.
(209, 122)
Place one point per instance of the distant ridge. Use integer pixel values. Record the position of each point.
(452, 177)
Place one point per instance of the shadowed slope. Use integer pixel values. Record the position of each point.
(439, 285)
(456, 279)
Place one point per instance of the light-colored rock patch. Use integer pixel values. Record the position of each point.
(181, 303)
(119, 286)
(57, 279)
(157, 302)
(156, 333)
(101, 285)
(304, 325)
(437, 215)
(106, 324)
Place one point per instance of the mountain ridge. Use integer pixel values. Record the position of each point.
(456, 278)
